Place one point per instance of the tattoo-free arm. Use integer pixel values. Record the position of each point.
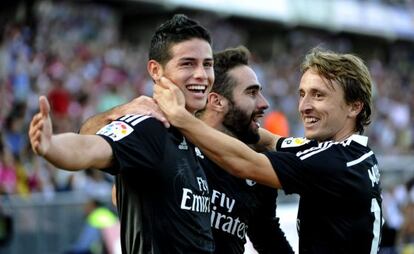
(267, 141)
(68, 151)
(231, 154)
(96, 122)
(142, 105)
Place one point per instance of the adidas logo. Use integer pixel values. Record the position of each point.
(198, 153)
(183, 145)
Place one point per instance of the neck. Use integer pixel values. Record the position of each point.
(214, 120)
(345, 136)
(339, 138)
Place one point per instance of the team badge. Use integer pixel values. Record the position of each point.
(294, 142)
(250, 182)
(116, 130)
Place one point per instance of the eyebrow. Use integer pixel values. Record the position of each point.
(254, 87)
(194, 59)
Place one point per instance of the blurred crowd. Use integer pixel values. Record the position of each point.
(398, 208)
(78, 58)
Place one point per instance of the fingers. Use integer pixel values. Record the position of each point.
(35, 131)
(44, 106)
(148, 106)
(160, 117)
(37, 125)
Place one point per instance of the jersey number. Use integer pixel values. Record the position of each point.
(375, 208)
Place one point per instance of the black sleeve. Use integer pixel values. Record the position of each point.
(137, 142)
(318, 170)
(264, 228)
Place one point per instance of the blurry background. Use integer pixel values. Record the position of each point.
(88, 56)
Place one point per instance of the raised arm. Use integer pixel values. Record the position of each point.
(267, 141)
(142, 105)
(68, 151)
(231, 154)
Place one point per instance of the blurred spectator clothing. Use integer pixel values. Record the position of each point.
(277, 123)
(59, 99)
(406, 233)
(110, 99)
(8, 176)
(91, 239)
(84, 58)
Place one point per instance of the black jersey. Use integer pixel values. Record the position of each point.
(340, 199)
(162, 192)
(240, 207)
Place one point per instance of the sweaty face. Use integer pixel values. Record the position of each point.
(323, 110)
(191, 69)
(246, 107)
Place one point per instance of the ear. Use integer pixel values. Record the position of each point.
(154, 69)
(356, 108)
(217, 102)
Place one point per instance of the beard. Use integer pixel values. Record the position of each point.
(238, 122)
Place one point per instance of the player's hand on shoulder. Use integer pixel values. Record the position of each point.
(143, 105)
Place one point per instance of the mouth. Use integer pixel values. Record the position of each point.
(256, 118)
(307, 121)
(199, 89)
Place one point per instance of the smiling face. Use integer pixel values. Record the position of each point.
(191, 69)
(323, 110)
(247, 105)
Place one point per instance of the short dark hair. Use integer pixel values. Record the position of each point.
(175, 30)
(348, 71)
(224, 62)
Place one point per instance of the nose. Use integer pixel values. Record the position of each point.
(262, 104)
(305, 104)
(200, 72)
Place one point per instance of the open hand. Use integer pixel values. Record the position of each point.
(170, 99)
(143, 105)
(40, 131)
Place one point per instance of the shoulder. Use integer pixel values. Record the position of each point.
(130, 124)
(139, 121)
(353, 147)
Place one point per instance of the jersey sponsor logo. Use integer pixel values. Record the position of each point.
(250, 182)
(221, 199)
(294, 142)
(194, 202)
(116, 130)
(224, 221)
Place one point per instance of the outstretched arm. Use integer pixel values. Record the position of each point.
(142, 105)
(68, 151)
(267, 141)
(230, 153)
